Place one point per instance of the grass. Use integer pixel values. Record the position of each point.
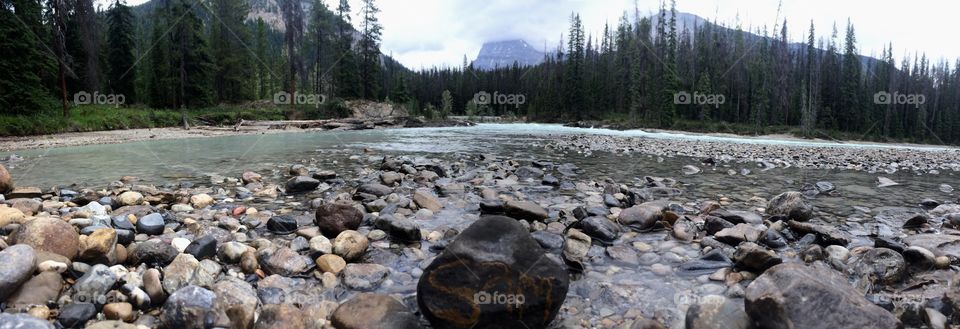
(100, 117)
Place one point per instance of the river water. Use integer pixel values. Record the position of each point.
(609, 287)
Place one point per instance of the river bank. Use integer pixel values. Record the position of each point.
(303, 246)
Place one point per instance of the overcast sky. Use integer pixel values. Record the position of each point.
(425, 33)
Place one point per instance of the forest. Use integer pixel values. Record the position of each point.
(175, 56)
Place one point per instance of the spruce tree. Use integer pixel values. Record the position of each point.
(369, 46)
(229, 43)
(120, 54)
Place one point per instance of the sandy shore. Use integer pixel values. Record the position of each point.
(123, 136)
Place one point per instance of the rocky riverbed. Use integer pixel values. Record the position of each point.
(873, 158)
(397, 241)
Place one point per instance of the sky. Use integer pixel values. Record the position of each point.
(426, 33)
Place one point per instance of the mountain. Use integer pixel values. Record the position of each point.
(506, 53)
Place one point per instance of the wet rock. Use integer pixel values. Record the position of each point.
(773, 239)
(929, 203)
(298, 170)
(528, 172)
(826, 234)
(151, 224)
(18, 264)
(939, 244)
(738, 233)
(773, 301)
(22, 321)
(547, 240)
(550, 180)
(600, 229)
(525, 210)
(390, 177)
(373, 311)
(738, 216)
(236, 303)
(331, 263)
(576, 246)
(685, 230)
(713, 224)
(334, 218)
(75, 315)
(825, 187)
(190, 307)
(154, 253)
(280, 316)
(889, 243)
(919, 258)
(203, 248)
(506, 264)
(717, 312)
(708, 263)
(130, 198)
(427, 200)
(400, 229)
(42, 289)
(300, 184)
(690, 170)
(375, 189)
(93, 286)
(350, 245)
(792, 205)
(364, 277)
(283, 261)
(753, 257)
(880, 265)
(98, 247)
(283, 224)
(641, 217)
(49, 234)
(492, 207)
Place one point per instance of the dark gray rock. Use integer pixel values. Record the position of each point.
(375, 189)
(18, 263)
(153, 253)
(75, 315)
(525, 210)
(642, 217)
(826, 234)
(506, 264)
(283, 224)
(880, 265)
(404, 230)
(792, 205)
(600, 229)
(190, 307)
(93, 286)
(151, 224)
(800, 297)
(336, 217)
(202, 248)
(753, 257)
(300, 184)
